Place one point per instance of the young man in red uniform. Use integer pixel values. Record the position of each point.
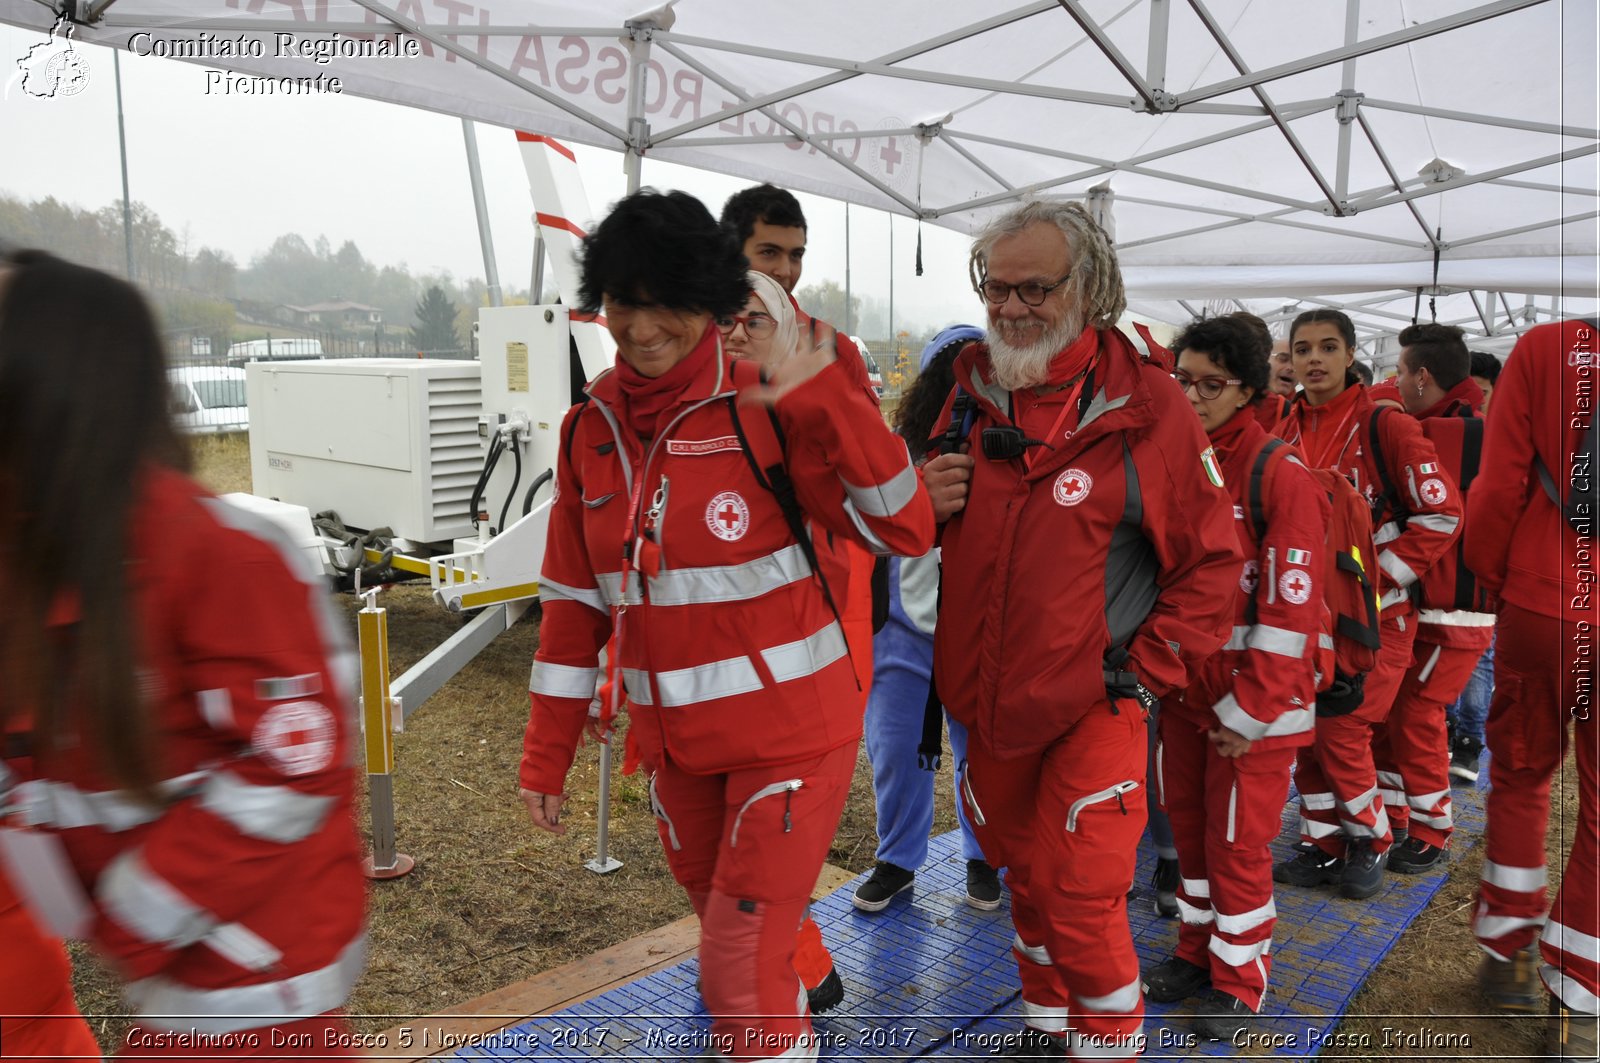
(1344, 824)
(1090, 563)
(1412, 747)
(1541, 564)
(771, 229)
(1229, 740)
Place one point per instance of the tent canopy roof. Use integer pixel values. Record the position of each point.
(1241, 149)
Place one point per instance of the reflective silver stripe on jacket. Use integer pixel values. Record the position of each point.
(1455, 618)
(168, 1005)
(49, 803)
(1234, 718)
(737, 675)
(1281, 641)
(272, 813)
(874, 542)
(288, 687)
(1398, 570)
(551, 591)
(562, 680)
(637, 683)
(1443, 523)
(149, 906)
(1387, 533)
(884, 499)
(714, 584)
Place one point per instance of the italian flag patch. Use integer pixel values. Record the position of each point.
(1427, 468)
(1208, 461)
(1299, 557)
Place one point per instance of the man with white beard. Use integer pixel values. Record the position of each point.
(1090, 562)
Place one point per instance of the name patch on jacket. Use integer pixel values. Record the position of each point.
(695, 447)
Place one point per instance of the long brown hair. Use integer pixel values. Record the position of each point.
(83, 413)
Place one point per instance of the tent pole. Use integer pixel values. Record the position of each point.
(536, 283)
(122, 144)
(1155, 71)
(491, 271)
(1349, 101)
(849, 324)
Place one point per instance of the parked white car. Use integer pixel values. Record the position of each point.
(208, 399)
(874, 374)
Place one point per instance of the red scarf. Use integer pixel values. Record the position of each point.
(645, 399)
(1073, 359)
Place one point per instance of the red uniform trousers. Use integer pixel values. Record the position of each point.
(1337, 778)
(38, 1017)
(1535, 696)
(747, 847)
(1065, 822)
(1225, 812)
(1412, 747)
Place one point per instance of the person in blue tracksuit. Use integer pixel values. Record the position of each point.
(902, 666)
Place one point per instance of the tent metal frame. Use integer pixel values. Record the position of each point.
(984, 153)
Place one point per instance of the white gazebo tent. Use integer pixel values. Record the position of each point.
(1394, 157)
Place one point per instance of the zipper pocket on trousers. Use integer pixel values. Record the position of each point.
(787, 787)
(1118, 791)
(661, 814)
(972, 802)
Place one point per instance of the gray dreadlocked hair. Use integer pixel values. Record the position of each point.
(1096, 282)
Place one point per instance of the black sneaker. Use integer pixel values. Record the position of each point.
(1165, 882)
(1222, 1017)
(1363, 870)
(1311, 867)
(1464, 759)
(827, 994)
(1414, 856)
(887, 879)
(983, 886)
(1176, 979)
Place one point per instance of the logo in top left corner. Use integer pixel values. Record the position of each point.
(53, 68)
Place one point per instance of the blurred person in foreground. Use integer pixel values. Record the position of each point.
(1530, 539)
(178, 741)
(1089, 568)
(667, 534)
(1229, 739)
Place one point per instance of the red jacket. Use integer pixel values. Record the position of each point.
(729, 654)
(1336, 435)
(1262, 684)
(251, 875)
(1047, 570)
(1454, 609)
(1518, 542)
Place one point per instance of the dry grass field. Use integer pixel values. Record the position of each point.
(491, 903)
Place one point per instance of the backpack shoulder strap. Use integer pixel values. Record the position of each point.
(765, 448)
(1258, 476)
(963, 412)
(1391, 493)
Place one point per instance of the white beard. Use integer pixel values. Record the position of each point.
(1027, 365)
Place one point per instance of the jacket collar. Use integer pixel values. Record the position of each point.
(1465, 395)
(1119, 387)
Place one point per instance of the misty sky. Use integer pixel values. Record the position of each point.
(235, 172)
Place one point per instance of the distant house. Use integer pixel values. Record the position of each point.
(339, 314)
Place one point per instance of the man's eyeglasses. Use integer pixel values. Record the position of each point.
(1209, 387)
(756, 326)
(1031, 293)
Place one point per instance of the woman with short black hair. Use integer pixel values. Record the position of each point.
(686, 495)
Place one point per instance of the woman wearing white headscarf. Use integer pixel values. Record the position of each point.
(767, 330)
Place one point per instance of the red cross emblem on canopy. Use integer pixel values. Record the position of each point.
(1434, 491)
(728, 516)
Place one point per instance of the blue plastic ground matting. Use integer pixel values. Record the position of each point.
(930, 976)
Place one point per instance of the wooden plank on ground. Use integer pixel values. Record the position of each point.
(560, 987)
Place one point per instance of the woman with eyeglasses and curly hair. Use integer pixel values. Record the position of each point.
(177, 699)
(1227, 741)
